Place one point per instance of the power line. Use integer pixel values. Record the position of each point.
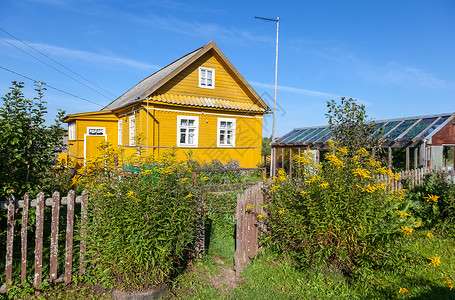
(55, 68)
(56, 61)
(54, 88)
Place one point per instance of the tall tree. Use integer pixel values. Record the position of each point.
(350, 125)
(28, 147)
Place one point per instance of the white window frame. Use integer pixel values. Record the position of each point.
(232, 129)
(203, 78)
(120, 132)
(195, 127)
(132, 130)
(72, 131)
(101, 131)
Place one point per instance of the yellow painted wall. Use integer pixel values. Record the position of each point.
(187, 81)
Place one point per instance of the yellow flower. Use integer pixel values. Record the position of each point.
(335, 161)
(369, 189)
(402, 213)
(183, 180)
(130, 194)
(274, 188)
(406, 231)
(343, 150)
(303, 192)
(363, 152)
(280, 211)
(449, 284)
(396, 176)
(260, 216)
(189, 195)
(429, 235)
(362, 173)
(417, 224)
(382, 170)
(431, 197)
(249, 207)
(108, 195)
(164, 250)
(403, 291)
(204, 178)
(435, 261)
(312, 179)
(324, 185)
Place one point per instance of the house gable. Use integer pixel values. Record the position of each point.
(226, 84)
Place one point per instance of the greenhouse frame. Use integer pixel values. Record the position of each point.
(429, 137)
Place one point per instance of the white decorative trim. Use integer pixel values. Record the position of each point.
(120, 132)
(204, 113)
(71, 131)
(132, 133)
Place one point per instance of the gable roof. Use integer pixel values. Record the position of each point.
(150, 84)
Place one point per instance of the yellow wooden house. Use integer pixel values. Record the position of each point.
(198, 102)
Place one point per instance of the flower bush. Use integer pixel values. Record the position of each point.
(141, 224)
(337, 213)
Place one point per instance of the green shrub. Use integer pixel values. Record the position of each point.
(434, 202)
(336, 213)
(140, 224)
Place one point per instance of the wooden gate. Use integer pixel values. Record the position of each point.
(248, 213)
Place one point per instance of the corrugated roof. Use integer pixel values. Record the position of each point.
(207, 102)
(136, 91)
(402, 129)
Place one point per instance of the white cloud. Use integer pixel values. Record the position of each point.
(82, 55)
(406, 75)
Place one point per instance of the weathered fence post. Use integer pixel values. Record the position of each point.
(54, 235)
(24, 239)
(69, 237)
(10, 240)
(83, 244)
(39, 240)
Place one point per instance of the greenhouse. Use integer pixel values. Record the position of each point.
(425, 141)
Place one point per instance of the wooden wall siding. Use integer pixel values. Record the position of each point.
(187, 81)
(249, 206)
(445, 136)
(39, 203)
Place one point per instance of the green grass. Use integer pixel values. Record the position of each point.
(270, 277)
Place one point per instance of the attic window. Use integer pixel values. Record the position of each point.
(206, 78)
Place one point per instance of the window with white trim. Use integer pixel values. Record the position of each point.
(72, 131)
(206, 78)
(120, 132)
(132, 130)
(226, 132)
(187, 131)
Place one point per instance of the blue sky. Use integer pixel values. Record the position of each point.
(397, 57)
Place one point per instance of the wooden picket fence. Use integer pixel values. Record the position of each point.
(415, 177)
(55, 202)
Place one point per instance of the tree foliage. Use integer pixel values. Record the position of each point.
(350, 126)
(27, 146)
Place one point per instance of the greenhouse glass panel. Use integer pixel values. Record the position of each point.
(315, 133)
(424, 123)
(400, 129)
(303, 138)
(295, 137)
(327, 136)
(318, 135)
(389, 126)
(378, 132)
(432, 128)
(289, 136)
